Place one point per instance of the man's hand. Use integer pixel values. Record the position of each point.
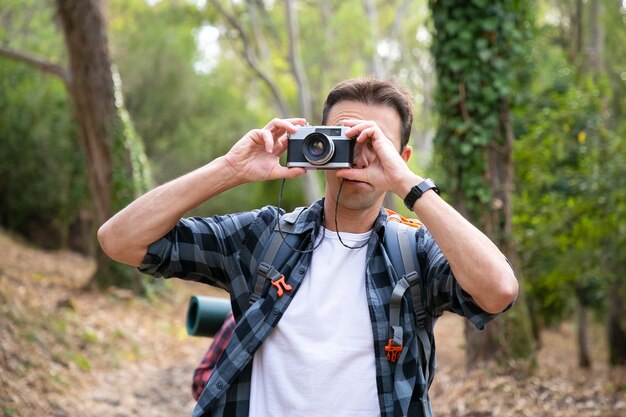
(380, 162)
(255, 157)
(127, 235)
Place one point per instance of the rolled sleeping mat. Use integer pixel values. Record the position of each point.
(205, 315)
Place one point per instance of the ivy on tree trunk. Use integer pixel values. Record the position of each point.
(116, 164)
(479, 48)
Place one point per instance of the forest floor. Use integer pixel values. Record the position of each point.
(67, 352)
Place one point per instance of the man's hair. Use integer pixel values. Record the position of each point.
(370, 90)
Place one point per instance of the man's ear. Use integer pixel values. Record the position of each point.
(406, 153)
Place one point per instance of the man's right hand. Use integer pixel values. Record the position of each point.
(256, 156)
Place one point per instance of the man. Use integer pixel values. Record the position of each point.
(318, 349)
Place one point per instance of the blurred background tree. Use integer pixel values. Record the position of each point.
(198, 74)
(569, 214)
(115, 166)
(480, 49)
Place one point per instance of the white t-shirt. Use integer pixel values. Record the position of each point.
(319, 359)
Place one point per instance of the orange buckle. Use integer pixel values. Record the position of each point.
(280, 284)
(392, 351)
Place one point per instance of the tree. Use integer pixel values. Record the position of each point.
(112, 153)
(569, 214)
(477, 46)
(297, 50)
(250, 52)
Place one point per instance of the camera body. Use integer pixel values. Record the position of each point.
(320, 147)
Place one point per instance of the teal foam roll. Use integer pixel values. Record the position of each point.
(205, 315)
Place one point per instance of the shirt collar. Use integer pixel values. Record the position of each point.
(311, 219)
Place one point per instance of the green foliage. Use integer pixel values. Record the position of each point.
(569, 212)
(185, 118)
(42, 177)
(188, 117)
(570, 159)
(479, 49)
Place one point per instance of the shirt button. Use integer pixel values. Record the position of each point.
(276, 311)
(301, 270)
(250, 349)
(220, 385)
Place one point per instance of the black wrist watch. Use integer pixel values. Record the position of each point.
(417, 191)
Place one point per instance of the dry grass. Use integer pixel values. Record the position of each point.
(556, 386)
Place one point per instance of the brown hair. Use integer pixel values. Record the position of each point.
(370, 90)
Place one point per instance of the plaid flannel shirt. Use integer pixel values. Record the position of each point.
(224, 251)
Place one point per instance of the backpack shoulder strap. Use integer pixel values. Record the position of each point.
(401, 248)
(275, 252)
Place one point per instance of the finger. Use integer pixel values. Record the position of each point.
(268, 140)
(281, 145)
(256, 135)
(351, 122)
(298, 121)
(370, 132)
(357, 126)
(271, 124)
(280, 126)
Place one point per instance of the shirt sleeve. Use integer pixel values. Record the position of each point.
(443, 291)
(198, 249)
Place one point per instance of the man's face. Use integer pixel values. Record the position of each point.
(357, 195)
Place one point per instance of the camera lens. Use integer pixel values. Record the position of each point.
(318, 149)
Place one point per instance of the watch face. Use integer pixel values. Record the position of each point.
(426, 185)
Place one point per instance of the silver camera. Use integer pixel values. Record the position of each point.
(320, 147)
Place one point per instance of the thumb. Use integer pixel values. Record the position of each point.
(288, 173)
(354, 174)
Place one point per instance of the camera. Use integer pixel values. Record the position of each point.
(320, 147)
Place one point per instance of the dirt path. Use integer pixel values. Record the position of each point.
(151, 373)
(71, 353)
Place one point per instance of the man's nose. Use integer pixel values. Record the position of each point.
(363, 155)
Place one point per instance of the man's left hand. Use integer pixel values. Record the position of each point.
(385, 168)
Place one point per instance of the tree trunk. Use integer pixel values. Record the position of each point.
(617, 323)
(92, 93)
(312, 189)
(511, 334)
(578, 27)
(103, 133)
(584, 353)
(376, 64)
(377, 67)
(596, 42)
(94, 108)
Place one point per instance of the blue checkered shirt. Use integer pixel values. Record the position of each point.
(225, 251)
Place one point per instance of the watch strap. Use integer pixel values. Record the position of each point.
(418, 190)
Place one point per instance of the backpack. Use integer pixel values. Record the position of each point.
(401, 248)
